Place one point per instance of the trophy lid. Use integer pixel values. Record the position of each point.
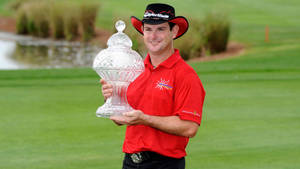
(119, 39)
(118, 62)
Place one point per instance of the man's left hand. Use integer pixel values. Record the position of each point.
(134, 117)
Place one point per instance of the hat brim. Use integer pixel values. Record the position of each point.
(181, 21)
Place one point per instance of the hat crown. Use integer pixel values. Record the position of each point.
(159, 11)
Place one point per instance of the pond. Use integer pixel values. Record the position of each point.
(24, 52)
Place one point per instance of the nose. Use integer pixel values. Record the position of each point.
(153, 35)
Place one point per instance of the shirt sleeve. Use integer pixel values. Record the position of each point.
(189, 98)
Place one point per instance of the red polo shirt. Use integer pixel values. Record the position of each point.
(171, 89)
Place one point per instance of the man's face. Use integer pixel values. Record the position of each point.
(158, 38)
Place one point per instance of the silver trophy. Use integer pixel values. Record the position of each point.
(118, 65)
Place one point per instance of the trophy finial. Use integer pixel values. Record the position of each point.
(120, 25)
(119, 39)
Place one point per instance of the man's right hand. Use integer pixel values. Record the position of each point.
(107, 89)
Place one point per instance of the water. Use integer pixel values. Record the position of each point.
(24, 52)
(6, 49)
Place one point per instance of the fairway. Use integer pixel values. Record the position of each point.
(251, 116)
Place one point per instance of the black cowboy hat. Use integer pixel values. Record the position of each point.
(158, 13)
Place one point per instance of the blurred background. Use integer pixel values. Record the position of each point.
(246, 53)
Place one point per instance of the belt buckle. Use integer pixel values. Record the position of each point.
(136, 158)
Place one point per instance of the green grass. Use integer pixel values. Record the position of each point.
(4, 8)
(251, 117)
(251, 114)
(48, 121)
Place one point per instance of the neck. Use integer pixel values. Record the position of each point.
(158, 57)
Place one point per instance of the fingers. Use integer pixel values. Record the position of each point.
(107, 89)
(135, 114)
(107, 94)
(107, 86)
(128, 118)
(129, 114)
(102, 81)
(117, 120)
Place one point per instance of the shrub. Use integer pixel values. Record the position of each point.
(31, 27)
(216, 32)
(21, 22)
(71, 22)
(88, 14)
(25, 16)
(57, 20)
(28, 24)
(38, 19)
(191, 44)
(63, 19)
(32, 18)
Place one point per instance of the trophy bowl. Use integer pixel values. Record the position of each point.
(118, 65)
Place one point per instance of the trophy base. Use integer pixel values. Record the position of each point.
(112, 110)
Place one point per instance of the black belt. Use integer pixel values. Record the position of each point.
(145, 156)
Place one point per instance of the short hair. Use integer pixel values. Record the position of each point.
(171, 24)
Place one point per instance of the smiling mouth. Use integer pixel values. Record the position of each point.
(154, 43)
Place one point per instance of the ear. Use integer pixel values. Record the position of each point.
(175, 31)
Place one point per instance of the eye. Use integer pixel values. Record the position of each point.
(147, 29)
(161, 29)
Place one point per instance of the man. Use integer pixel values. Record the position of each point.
(167, 97)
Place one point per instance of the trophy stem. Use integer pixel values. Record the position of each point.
(117, 104)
